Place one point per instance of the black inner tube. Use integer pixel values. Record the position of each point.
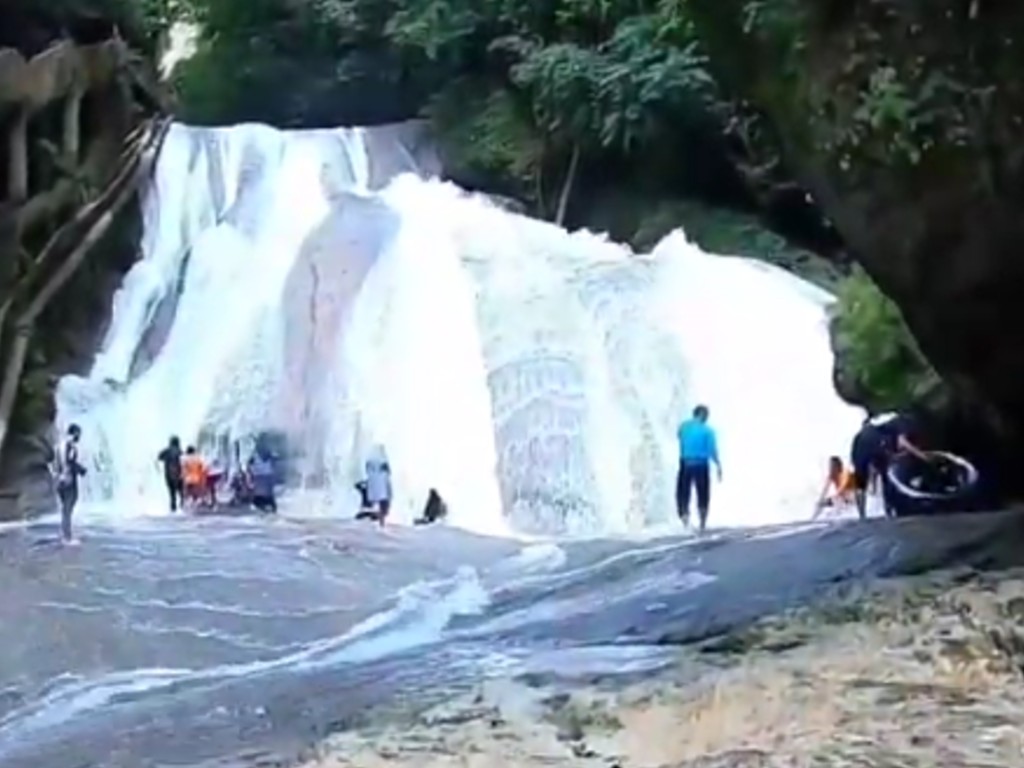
(947, 477)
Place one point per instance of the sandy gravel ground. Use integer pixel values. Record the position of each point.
(921, 672)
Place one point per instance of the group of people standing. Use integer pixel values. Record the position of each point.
(191, 481)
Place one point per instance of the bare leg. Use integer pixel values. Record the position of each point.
(68, 499)
(861, 498)
(703, 512)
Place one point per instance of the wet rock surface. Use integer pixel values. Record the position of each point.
(912, 671)
(238, 642)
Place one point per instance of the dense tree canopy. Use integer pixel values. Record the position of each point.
(522, 86)
(30, 25)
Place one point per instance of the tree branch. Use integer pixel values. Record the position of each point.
(105, 209)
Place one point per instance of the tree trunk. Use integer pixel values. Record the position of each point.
(71, 145)
(570, 180)
(539, 180)
(12, 377)
(17, 157)
(127, 167)
(120, 190)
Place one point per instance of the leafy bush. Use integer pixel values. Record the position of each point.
(485, 131)
(875, 350)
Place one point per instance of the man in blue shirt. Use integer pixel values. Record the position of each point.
(698, 449)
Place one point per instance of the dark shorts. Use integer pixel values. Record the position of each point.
(264, 503)
(68, 495)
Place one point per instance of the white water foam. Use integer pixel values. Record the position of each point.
(534, 377)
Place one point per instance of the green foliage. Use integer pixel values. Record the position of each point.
(779, 25)
(876, 347)
(603, 76)
(298, 63)
(485, 130)
(612, 95)
(891, 121)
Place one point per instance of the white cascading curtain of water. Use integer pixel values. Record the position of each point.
(417, 379)
(225, 217)
(534, 377)
(756, 338)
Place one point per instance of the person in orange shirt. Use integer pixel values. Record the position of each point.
(839, 487)
(193, 470)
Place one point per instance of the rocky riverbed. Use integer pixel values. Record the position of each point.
(253, 642)
(917, 671)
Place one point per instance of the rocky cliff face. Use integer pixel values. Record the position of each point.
(903, 119)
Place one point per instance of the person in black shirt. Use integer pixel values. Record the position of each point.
(435, 510)
(879, 439)
(170, 458)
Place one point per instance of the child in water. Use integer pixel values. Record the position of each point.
(838, 490)
(194, 475)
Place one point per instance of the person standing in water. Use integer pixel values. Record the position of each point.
(170, 458)
(698, 449)
(263, 479)
(67, 470)
(378, 482)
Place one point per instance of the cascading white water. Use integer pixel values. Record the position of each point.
(314, 284)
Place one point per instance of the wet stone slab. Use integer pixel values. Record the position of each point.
(247, 622)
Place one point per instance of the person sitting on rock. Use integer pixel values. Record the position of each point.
(435, 509)
(839, 488)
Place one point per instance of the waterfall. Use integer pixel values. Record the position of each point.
(325, 288)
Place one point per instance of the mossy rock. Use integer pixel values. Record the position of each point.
(878, 362)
